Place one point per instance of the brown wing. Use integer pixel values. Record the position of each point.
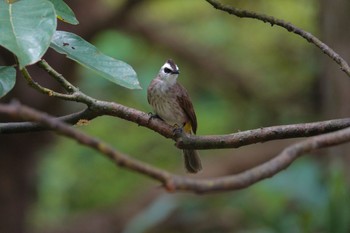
(186, 104)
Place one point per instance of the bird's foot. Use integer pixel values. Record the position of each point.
(153, 116)
(177, 131)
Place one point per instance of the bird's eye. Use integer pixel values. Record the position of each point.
(167, 70)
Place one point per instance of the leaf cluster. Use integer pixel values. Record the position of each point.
(29, 29)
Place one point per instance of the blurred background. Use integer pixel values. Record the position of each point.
(241, 74)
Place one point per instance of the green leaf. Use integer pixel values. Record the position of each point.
(87, 55)
(7, 79)
(26, 28)
(64, 12)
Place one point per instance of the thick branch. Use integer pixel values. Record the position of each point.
(248, 137)
(344, 66)
(174, 182)
(234, 140)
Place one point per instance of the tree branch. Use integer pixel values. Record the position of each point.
(267, 169)
(234, 140)
(57, 76)
(181, 183)
(248, 137)
(26, 127)
(344, 66)
(42, 89)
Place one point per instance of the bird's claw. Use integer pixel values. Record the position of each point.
(177, 131)
(153, 116)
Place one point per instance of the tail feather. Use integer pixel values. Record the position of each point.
(192, 161)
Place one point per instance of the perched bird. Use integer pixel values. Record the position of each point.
(171, 103)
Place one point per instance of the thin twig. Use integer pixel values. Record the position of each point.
(44, 90)
(344, 66)
(28, 127)
(70, 88)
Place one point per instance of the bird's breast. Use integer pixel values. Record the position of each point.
(164, 102)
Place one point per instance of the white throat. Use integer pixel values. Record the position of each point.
(171, 79)
(168, 82)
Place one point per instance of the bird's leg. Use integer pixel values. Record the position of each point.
(153, 116)
(177, 131)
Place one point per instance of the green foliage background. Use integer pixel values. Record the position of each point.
(74, 179)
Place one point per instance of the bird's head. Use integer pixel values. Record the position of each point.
(169, 71)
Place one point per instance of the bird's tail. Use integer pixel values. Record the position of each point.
(192, 161)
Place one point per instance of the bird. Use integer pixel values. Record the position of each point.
(171, 102)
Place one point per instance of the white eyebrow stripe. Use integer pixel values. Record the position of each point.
(166, 65)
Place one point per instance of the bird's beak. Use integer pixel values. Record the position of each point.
(176, 72)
